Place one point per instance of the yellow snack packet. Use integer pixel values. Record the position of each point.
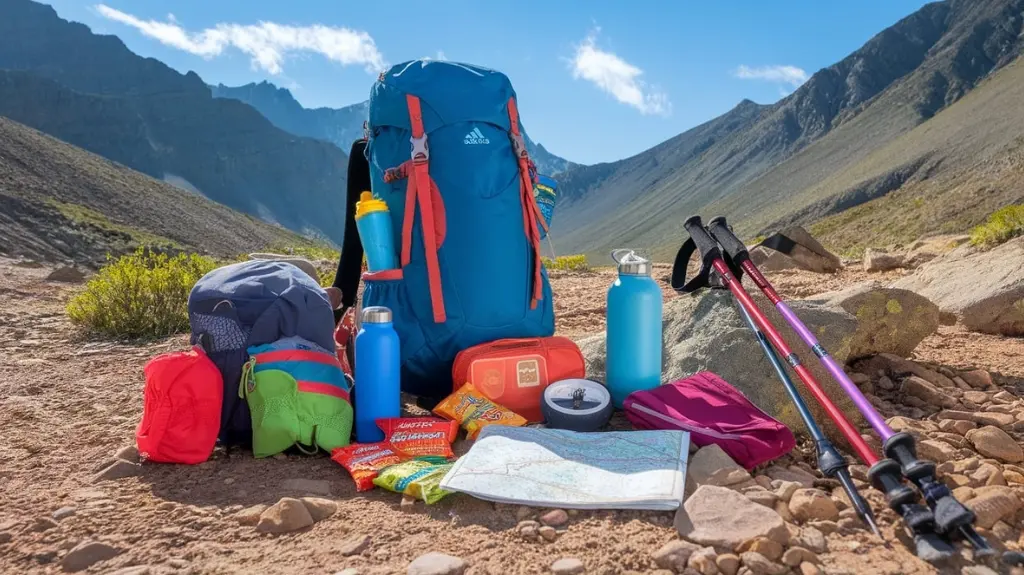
(473, 411)
(416, 478)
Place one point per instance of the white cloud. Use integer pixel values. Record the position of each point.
(267, 43)
(617, 77)
(779, 74)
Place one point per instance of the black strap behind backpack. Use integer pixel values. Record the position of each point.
(350, 264)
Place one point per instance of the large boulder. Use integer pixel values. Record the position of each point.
(881, 261)
(705, 332)
(769, 260)
(888, 320)
(794, 248)
(984, 289)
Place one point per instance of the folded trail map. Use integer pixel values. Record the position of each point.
(558, 468)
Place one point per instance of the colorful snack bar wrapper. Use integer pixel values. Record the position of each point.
(420, 436)
(474, 411)
(364, 460)
(416, 478)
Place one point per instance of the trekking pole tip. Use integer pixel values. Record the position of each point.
(981, 547)
(870, 520)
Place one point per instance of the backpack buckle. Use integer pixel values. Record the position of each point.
(420, 151)
(518, 145)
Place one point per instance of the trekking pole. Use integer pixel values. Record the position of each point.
(950, 515)
(830, 461)
(886, 472)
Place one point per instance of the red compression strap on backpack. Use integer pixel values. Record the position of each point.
(531, 213)
(422, 190)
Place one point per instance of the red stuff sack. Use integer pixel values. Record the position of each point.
(181, 408)
(713, 412)
(514, 372)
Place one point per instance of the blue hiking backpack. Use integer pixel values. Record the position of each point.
(247, 304)
(446, 152)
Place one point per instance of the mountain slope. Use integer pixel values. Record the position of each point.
(91, 90)
(969, 162)
(59, 202)
(341, 126)
(764, 169)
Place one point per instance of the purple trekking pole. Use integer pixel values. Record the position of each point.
(951, 516)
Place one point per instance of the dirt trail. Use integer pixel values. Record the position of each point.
(68, 406)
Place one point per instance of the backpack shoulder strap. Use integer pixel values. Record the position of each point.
(421, 191)
(531, 213)
(350, 264)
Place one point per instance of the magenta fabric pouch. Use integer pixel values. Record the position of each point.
(713, 412)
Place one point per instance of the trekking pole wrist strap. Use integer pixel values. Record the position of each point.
(701, 242)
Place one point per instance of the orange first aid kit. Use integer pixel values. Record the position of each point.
(514, 372)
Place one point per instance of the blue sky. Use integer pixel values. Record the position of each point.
(597, 81)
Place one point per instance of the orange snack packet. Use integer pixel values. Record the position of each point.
(365, 460)
(474, 411)
(420, 436)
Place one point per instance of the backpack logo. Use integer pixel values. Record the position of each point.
(476, 137)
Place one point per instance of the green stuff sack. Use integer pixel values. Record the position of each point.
(417, 478)
(297, 392)
(273, 404)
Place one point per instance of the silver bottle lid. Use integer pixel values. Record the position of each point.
(630, 263)
(376, 314)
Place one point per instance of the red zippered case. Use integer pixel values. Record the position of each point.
(514, 372)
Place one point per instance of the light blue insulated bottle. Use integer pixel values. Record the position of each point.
(633, 331)
(378, 386)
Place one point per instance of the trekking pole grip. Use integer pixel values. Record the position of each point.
(707, 247)
(728, 240)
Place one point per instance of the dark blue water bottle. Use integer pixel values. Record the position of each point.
(378, 387)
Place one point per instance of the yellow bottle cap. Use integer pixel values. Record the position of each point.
(367, 204)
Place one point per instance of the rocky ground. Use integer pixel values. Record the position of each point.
(74, 498)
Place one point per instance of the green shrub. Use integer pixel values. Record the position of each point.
(574, 263)
(1001, 226)
(142, 295)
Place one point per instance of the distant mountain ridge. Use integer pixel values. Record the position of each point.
(90, 90)
(341, 126)
(760, 165)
